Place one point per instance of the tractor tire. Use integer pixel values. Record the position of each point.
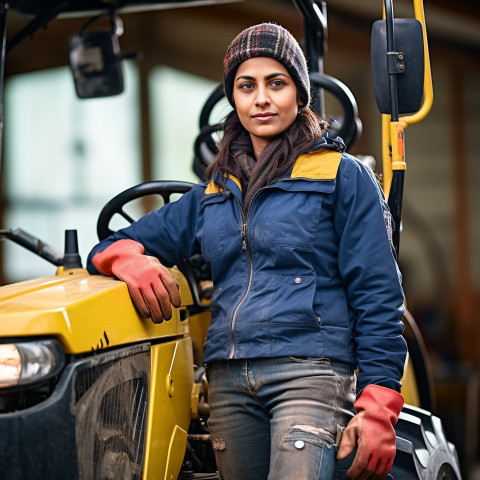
(423, 451)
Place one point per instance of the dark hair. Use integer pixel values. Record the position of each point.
(296, 139)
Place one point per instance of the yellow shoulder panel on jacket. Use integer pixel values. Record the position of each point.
(212, 187)
(320, 164)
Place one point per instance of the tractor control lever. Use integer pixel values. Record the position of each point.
(34, 244)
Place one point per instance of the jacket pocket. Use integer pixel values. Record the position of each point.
(292, 212)
(292, 304)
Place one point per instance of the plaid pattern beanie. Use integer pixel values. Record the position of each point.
(267, 40)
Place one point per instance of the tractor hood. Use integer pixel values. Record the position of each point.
(84, 312)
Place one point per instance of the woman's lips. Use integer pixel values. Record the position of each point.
(263, 117)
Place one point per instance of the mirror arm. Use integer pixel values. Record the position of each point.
(313, 12)
(36, 24)
(427, 79)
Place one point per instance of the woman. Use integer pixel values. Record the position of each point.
(307, 289)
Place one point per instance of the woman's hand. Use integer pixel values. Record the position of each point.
(152, 288)
(371, 431)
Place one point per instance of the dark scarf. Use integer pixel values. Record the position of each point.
(255, 172)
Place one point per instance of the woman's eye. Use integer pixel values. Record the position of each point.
(277, 83)
(246, 86)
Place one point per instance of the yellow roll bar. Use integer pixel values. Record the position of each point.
(393, 141)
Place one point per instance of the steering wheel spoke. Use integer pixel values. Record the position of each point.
(126, 216)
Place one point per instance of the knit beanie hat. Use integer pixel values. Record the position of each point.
(267, 40)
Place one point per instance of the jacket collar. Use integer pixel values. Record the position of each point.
(320, 163)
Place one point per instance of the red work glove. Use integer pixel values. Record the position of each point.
(371, 431)
(151, 286)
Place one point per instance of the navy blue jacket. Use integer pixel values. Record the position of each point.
(309, 271)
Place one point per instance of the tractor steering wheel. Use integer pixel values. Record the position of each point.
(349, 127)
(116, 205)
(194, 268)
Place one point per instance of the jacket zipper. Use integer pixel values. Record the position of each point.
(245, 248)
(250, 275)
(244, 237)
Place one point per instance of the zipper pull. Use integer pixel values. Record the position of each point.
(244, 236)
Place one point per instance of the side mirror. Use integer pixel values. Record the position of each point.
(407, 63)
(95, 61)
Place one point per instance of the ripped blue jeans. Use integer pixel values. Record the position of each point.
(279, 418)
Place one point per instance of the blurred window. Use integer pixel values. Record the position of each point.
(176, 100)
(64, 158)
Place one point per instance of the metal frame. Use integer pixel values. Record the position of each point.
(393, 126)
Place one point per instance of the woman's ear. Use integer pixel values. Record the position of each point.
(299, 102)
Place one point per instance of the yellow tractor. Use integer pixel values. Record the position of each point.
(91, 390)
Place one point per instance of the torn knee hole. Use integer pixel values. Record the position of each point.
(318, 435)
(321, 432)
(218, 444)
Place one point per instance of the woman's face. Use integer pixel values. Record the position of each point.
(265, 98)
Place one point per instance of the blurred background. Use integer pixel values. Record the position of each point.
(64, 157)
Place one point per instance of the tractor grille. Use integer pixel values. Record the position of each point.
(111, 401)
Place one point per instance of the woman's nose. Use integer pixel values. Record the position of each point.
(262, 97)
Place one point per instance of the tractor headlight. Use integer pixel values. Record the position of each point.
(26, 362)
